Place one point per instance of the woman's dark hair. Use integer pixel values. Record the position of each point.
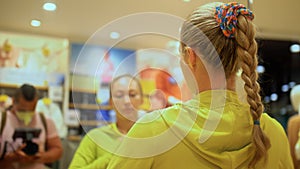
(27, 91)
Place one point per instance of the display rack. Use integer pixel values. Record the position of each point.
(84, 102)
(9, 89)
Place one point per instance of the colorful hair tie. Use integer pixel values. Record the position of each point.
(256, 122)
(226, 15)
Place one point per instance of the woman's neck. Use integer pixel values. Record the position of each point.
(211, 78)
(229, 84)
(124, 125)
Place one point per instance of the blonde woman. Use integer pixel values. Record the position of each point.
(214, 129)
(94, 151)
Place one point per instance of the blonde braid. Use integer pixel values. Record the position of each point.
(246, 52)
(234, 53)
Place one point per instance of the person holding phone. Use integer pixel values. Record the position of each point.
(13, 150)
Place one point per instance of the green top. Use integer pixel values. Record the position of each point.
(94, 151)
(213, 130)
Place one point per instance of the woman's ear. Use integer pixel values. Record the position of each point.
(190, 58)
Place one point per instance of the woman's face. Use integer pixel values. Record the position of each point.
(126, 98)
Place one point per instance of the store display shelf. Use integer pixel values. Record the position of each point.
(92, 123)
(74, 138)
(14, 86)
(89, 106)
(83, 90)
(73, 125)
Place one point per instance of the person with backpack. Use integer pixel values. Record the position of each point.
(28, 139)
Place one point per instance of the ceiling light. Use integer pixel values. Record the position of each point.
(35, 23)
(186, 0)
(267, 99)
(274, 97)
(49, 6)
(114, 35)
(285, 88)
(292, 84)
(260, 69)
(295, 48)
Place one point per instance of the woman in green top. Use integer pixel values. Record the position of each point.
(94, 151)
(214, 129)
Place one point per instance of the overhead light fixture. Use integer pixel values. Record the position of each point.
(35, 23)
(260, 69)
(292, 84)
(274, 97)
(285, 88)
(295, 48)
(114, 35)
(186, 0)
(49, 6)
(267, 99)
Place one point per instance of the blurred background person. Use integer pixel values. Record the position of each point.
(294, 126)
(96, 147)
(14, 153)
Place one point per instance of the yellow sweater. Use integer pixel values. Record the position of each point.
(94, 151)
(213, 130)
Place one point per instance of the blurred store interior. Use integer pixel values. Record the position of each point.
(61, 49)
